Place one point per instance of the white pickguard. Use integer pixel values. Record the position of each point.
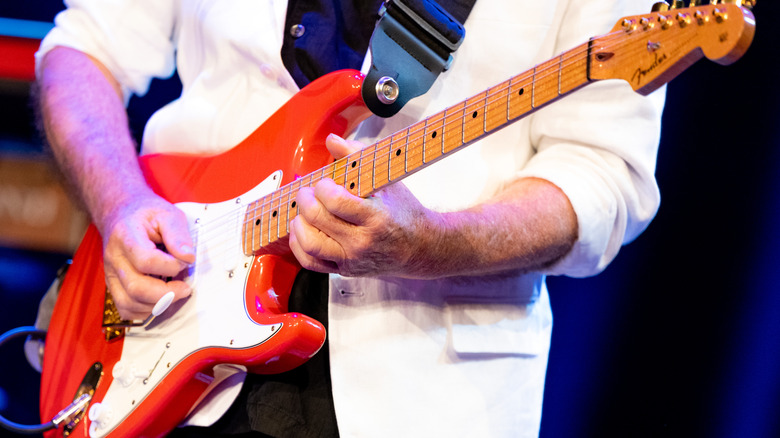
(213, 316)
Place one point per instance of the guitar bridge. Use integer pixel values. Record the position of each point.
(111, 319)
(88, 386)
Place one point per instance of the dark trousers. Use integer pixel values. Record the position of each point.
(295, 404)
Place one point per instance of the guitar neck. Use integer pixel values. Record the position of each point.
(645, 50)
(395, 157)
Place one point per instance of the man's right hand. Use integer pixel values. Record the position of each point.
(146, 244)
(145, 239)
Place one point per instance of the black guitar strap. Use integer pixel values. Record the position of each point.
(412, 44)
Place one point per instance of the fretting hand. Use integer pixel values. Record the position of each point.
(336, 231)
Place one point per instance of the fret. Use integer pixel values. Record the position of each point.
(266, 213)
(560, 69)
(453, 126)
(415, 147)
(360, 191)
(390, 148)
(423, 138)
(533, 89)
(372, 168)
(433, 134)
(248, 230)
(463, 124)
(366, 165)
(574, 72)
(284, 210)
(266, 220)
(352, 183)
(443, 134)
(473, 114)
(273, 218)
(256, 224)
(257, 218)
(496, 114)
(382, 164)
(397, 156)
(323, 173)
(546, 83)
(485, 112)
(347, 183)
(295, 186)
(406, 152)
(520, 98)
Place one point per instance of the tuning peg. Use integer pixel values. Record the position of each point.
(660, 7)
(694, 3)
(746, 3)
(677, 4)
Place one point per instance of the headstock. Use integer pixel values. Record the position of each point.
(649, 50)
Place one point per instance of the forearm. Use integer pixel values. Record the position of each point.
(86, 126)
(526, 227)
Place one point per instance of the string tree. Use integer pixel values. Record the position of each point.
(660, 7)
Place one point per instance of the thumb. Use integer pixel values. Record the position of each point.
(340, 148)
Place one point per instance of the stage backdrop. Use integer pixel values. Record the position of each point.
(679, 337)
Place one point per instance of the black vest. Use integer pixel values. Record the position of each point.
(317, 42)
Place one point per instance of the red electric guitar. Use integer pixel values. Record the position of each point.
(142, 381)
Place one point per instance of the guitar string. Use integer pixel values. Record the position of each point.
(497, 90)
(383, 147)
(412, 135)
(555, 66)
(263, 203)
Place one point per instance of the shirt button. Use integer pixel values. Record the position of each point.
(297, 30)
(268, 71)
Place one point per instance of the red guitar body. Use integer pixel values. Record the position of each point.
(152, 399)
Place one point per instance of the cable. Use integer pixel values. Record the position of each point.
(4, 422)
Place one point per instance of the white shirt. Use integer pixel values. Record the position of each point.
(449, 357)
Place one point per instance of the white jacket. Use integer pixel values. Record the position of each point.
(450, 357)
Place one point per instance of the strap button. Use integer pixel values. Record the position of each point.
(297, 30)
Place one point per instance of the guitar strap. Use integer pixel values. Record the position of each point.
(412, 44)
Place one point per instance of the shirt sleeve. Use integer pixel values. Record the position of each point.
(132, 38)
(599, 147)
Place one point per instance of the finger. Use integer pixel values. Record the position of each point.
(176, 236)
(136, 294)
(339, 147)
(313, 249)
(339, 202)
(314, 242)
(144, 255)
(129, 309)
(315, 213)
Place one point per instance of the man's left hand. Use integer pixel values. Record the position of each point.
(336, 231)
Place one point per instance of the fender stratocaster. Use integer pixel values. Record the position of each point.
(143, 381)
